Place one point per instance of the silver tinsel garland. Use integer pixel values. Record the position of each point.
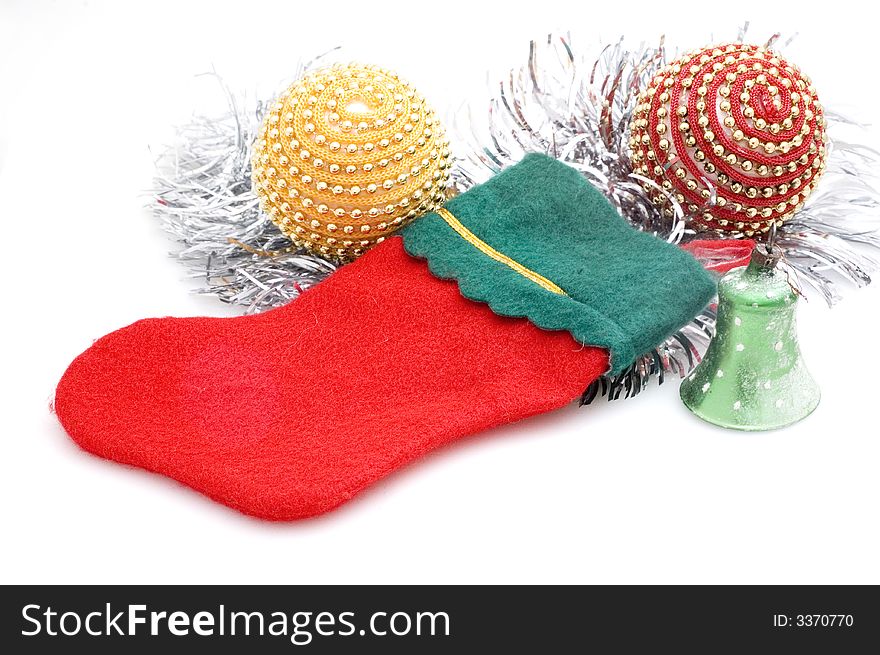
(574, 105)
(202, 195)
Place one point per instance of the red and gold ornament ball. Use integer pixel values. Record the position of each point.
(734, 133)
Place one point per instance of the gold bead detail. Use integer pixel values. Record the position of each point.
(367, 147)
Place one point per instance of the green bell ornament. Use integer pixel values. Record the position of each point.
(753, 376)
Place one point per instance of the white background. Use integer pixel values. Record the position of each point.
(638, 491)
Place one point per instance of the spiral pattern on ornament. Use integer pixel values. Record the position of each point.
(347, 155)
(735, 134)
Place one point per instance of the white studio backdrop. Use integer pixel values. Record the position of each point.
(634, 491)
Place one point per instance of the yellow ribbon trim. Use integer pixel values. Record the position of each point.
(489, 251)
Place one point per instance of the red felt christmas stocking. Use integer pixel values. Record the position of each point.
(289, 413)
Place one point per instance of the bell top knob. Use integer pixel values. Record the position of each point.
(761, 284)
(764, 257)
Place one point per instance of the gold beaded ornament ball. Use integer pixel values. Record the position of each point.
(347, 155)
(734, 133)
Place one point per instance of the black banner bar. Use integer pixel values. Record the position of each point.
(439, 619)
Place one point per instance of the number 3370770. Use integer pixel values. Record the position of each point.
(813, 620)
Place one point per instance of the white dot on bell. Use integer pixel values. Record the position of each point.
(737, 405)
(740, 347)
(778, 346)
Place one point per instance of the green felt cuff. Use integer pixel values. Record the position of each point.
(624, 290)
